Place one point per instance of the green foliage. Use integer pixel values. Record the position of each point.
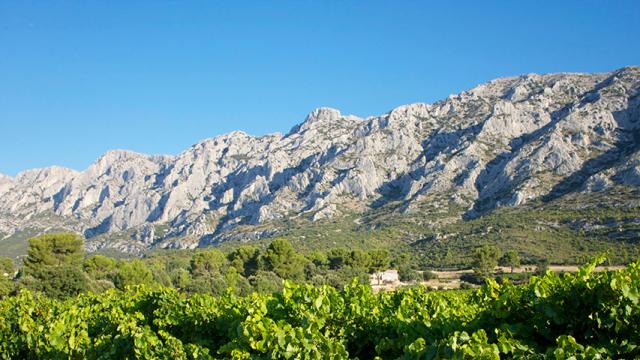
(406, 266)
(213, 284)
(319, 258)
(465, 286)
(266, 282)
(337, 258)
(6, 287)
(207, 262)
(339, 279)
(242, 270)
(56, 281)
(429, 275)
(472, 278)
(281, 258)
(53, 250)
(515, 278)
(510, 259)
(587, 315)
(133, 272)
(205, 273)
(54, 265)
(245, 259)
(100, 267)
(359, 259)
(6, 266)
(160, 275)
(486, 259)
(542, 266)
(408, 274)
(380, 259)
(180, 278)
(6, 276)
(236, 282)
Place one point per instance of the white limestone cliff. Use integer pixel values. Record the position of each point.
(501, 143)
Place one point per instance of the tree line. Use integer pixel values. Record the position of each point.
(57, 266)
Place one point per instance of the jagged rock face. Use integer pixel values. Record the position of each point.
(502, 143)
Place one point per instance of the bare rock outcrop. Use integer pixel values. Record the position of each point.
(501, 143)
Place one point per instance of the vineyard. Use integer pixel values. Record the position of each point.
(585, 315)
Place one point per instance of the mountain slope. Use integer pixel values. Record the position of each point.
(507, 142)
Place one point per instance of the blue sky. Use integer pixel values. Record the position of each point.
(78, 78)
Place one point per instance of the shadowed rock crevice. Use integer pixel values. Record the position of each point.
(494, 170)
(628, 144)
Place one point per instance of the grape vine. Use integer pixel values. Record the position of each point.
(586, 315)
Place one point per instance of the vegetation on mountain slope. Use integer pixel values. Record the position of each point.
(567, 230)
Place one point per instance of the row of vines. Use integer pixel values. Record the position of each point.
(585, 315)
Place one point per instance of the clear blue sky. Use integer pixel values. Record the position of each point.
(78, 78)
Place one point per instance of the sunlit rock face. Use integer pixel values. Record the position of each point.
(502, 143)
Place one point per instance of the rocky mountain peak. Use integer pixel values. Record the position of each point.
(234, 135)
(502, 143)
(115, 156)
(323, 114)
(40, 175)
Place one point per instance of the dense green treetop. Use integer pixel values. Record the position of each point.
(486, 259)
(133, 272)
(54, 265)
(510, 259)
(207, 262)
(54, 250)
(100, 267)
(245, 259)
(6, 266)
(281, 258)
